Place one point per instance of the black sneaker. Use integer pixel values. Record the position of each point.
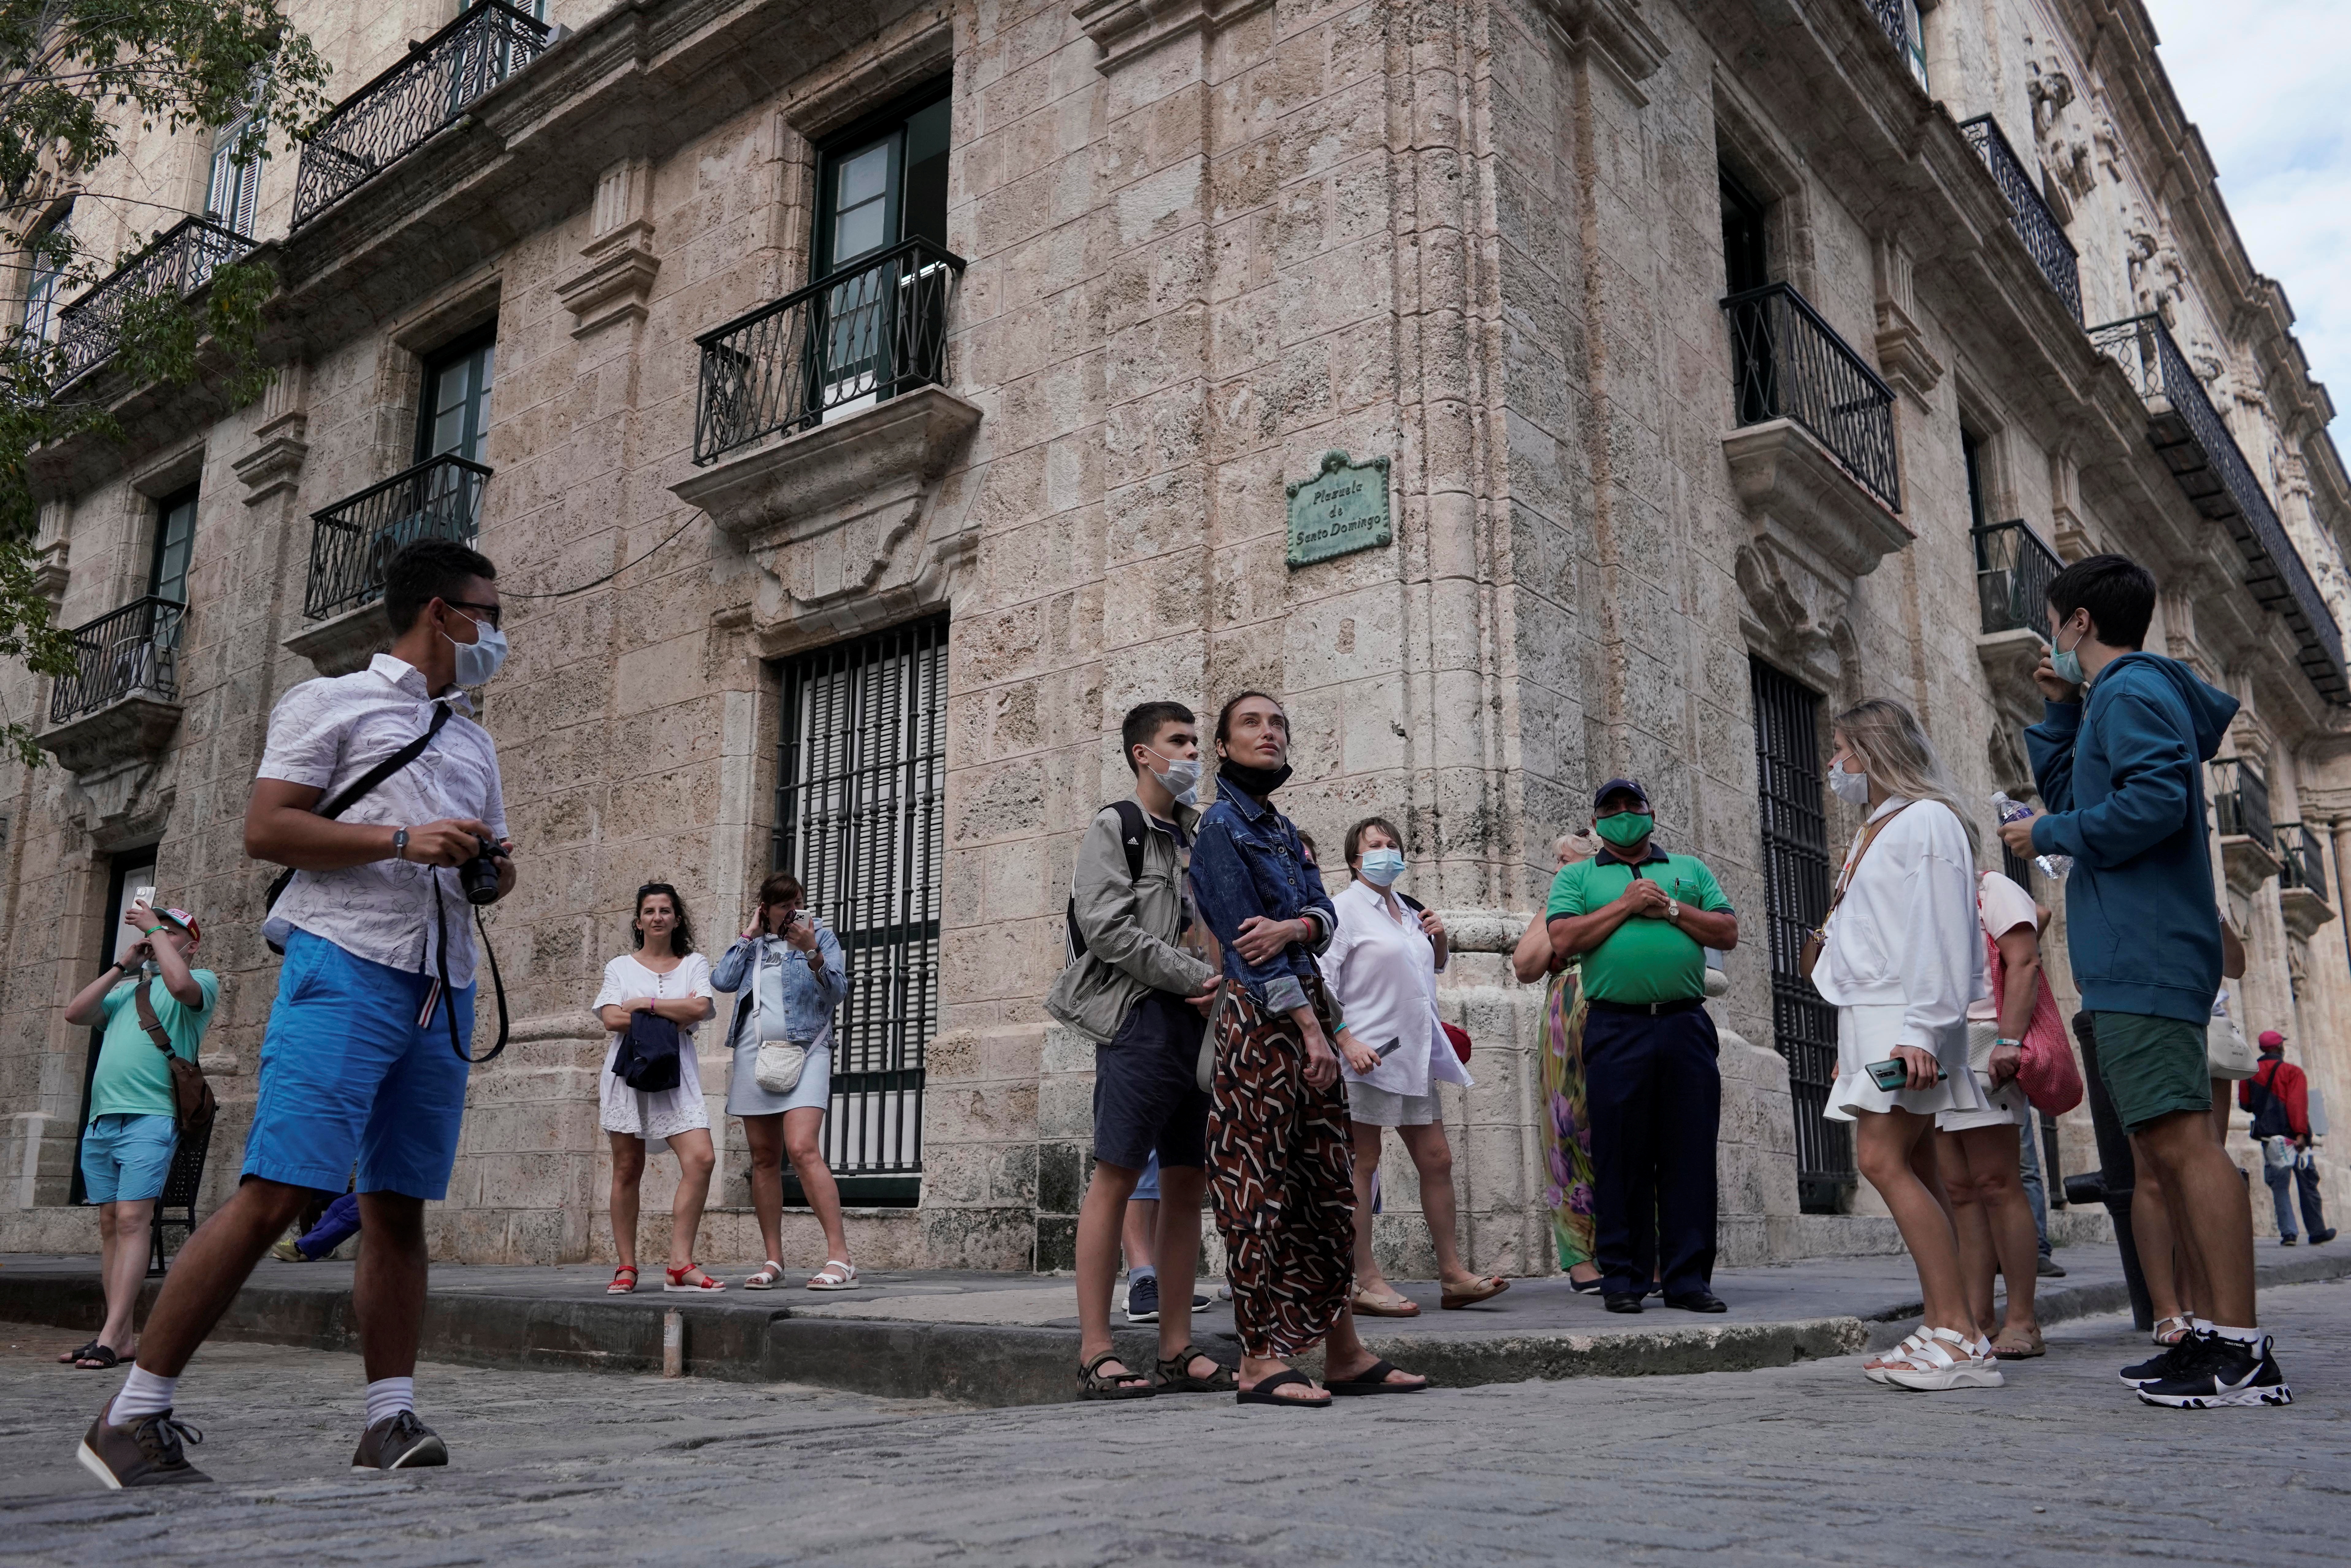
(2289, 1241)
(2221, 1371)
(400, 1442)
(1143, 1300)
(2322, 1238)
(2166, 1363)
(2049, 1268)
(144, 1452)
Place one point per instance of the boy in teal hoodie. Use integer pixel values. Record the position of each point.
(2119, 762)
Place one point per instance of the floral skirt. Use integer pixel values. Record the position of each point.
(1567, 1136)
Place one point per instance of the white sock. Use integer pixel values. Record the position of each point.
(2242, 1336)
(388, 1396)
(143, 1393)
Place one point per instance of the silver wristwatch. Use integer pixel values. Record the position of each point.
(400, 843)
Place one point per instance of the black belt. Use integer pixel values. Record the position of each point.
(1645, 1010)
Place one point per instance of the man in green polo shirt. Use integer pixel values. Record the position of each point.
(1641, 920)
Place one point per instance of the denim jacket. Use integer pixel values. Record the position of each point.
(808, 1000)
(1246, 860)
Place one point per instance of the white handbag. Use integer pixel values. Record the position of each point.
(2227, 1052)
(779, 1065)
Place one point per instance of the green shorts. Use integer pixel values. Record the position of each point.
(2152, 1066)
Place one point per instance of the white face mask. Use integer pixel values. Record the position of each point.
(480, 660)
(1852, 788)
(1181, 778)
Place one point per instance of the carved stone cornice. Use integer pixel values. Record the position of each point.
(1616, 31)
(131, 729)
(2247, 863)
(2009, 659)
(833, 515)
(345, 642)
(273, 465)
(1814, 532)
(1125, 29)
(617, 281)
(2305, 909)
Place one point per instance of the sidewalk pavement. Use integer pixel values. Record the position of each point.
(1011, 1339)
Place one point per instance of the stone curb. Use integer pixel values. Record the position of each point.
(996, 1365)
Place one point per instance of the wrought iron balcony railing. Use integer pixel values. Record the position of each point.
(2013, 570)
(353, 540)
(2212, 470)
(133, 649)
(2027, 215)
(2241, 798)
(182, 260)
(2305, 864)
(871, 329)
(1900, 20)
(1790, 364)
(392, 115)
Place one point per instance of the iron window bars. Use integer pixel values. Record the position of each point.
(135, 648)
(860, 817)
(1899, 18)
(2212, 470)
(2240, 799)
(1790, 364)
(399, 110)
(2027, 215)
(353, 540)
(181, 260)
(1796, 896)
(2305, 863)
(2013, 570)
(871, 329)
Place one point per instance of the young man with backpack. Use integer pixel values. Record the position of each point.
(1138, 985)
(2119, 762)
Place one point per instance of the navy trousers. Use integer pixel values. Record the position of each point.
(1653, 1092)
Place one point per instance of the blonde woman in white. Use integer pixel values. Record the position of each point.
(1902, 957)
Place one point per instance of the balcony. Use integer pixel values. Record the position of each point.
(1899, 18)
(2194, 442)
(1790, 364)
(845, 341)
(2013, 569)
(401, 109)
(182, 260)
(2241, 805)
(2301, 881)
(121, 701)
(2034, 224)
(353, 540)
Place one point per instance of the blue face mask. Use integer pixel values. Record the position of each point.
(1382, 866)
(2067, 662)
(482, 658)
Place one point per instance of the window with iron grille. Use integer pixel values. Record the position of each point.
(861, 820)
(1796, 894)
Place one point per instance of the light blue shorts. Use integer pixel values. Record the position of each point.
(348, 1073)
(1146, 1186)
(124, 1159)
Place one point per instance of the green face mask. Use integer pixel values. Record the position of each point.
(1625, 828)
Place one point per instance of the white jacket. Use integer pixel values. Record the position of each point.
(1906, 932)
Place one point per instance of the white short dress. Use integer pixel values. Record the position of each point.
(1903, 958)
(668, 1111)
(2000, 907)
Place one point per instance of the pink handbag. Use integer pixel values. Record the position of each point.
(2050, 1079)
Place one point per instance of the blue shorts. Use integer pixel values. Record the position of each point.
(1146, 1186)
(124, 1159)
(348, 1073)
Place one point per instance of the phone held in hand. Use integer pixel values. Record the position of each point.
(1390, 1049)
(1894, 1073)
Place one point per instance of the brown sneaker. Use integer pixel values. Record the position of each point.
(146, 1453)
(400, 1442)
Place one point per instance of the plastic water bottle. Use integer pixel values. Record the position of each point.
(2053, 867)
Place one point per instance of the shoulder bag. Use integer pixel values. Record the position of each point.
(2046, 1073)
(1817, 936)
(193, 1102)
(648, 1057)
(360, 788)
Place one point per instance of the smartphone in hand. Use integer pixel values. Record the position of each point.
(1894, 1073)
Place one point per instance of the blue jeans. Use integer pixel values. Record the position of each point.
(336, 1226)
(2028, 1160)
(2285, 1183)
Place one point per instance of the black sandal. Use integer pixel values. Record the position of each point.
(1263, 1392)
(1374, 1379)
(1174, 1375)
(1095, 1383)
(73, 1355)
(96, 1357)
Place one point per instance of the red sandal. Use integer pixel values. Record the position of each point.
(618, 1289)
(677, 1281)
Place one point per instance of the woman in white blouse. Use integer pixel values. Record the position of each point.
(1902, 957)
(1380, 969)
(665, 976)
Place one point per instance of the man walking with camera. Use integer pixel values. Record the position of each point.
(364, 1056)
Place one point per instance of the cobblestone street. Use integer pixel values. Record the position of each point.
(1801, 1464)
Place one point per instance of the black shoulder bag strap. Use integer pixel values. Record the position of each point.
(360, 789)
(1131, 827)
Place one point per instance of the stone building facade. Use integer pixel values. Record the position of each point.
(1729, 362)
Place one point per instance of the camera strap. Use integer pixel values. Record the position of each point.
(441, 991)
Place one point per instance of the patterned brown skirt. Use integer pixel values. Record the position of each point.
(1281, 1171)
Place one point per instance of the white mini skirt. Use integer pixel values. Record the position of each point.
(1868, 1032)
(2005, 1106)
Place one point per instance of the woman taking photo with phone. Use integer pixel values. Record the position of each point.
(1901, 958)
(1381, 969)
(1279, 1164)
(786, 976)
(665, 977)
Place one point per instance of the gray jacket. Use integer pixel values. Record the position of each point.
(1130, 926)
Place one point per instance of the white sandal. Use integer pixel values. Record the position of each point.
(1932, 1368)
(835, 1275)
(1874, 1369)
(769, 1275)
(2187, 1327)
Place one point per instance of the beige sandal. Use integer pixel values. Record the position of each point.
(1388, 1306)
(1476, 1291)
(2019, 1345)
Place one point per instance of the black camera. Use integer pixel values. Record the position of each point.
(479, 876)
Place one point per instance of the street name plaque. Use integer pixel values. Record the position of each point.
(1344, 508)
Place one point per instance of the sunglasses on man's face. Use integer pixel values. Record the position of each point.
(494, 614)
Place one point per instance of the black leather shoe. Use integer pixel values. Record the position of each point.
(1698, 1301)
(2322, 1238)
(1623, 1302)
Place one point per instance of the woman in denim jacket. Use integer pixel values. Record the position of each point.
(786, 976)
(1280, 1165)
